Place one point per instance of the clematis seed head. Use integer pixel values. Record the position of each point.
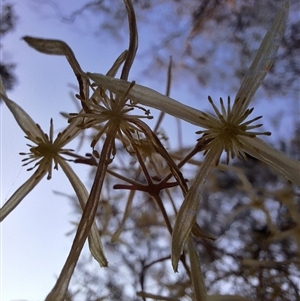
(224, 132)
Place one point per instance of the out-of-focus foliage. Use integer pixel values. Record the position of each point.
(7, 24)
(211, 41)
(252, 213)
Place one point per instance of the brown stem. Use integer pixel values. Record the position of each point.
(163, 211)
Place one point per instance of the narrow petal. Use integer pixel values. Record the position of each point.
(22, 191)
(133, 40)
(187, 214)
(115, 67)
(95, 244)
(25, 122)
(196, 274)
(263, 61)
(288, 167)
(151, 98)
(56, 47)
(58, 293)
(70, 132)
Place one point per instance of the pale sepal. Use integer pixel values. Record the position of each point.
(56, 47)
(25, 122)
(187, 213)
(196, 274)
(133, 40)
(58, 293)
(288, 167)
(94, 239)
(70, 132)
(149, 97)
(262, 62)
(118, 62)
(22, 191)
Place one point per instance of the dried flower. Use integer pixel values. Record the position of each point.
(45, 153)
(230, 132)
